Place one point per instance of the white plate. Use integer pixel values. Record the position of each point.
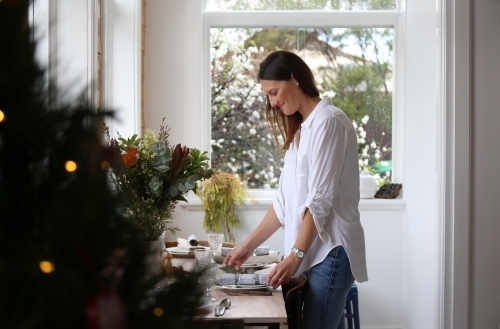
(183, 253)
(251, 286)
(244, 287)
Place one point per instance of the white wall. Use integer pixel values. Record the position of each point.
(122, 65)
(485, 206)
(422, 236)
(164, 66)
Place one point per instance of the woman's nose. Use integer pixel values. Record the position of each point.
(272, 100)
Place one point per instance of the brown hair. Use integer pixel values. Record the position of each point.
(281, 65)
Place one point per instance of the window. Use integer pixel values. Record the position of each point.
(354, 64)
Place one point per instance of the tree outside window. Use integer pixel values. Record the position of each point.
(352, 66)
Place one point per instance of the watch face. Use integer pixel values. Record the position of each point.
(300, 254)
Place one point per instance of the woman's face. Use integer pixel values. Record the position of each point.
(286, 95)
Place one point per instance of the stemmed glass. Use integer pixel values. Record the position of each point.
(215, 241)
(208, 279)
(203, 258)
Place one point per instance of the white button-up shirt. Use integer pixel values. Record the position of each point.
(321, 172)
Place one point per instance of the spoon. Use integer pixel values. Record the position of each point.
(226, 303)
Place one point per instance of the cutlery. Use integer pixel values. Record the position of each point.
(218, 310)
(226, 303)
(248, 292)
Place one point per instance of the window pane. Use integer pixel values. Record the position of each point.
(352, 66)
(213, 5)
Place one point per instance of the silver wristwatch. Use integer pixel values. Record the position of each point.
(299, 253)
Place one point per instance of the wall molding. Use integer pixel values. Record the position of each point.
(263, 203)
(456, 168)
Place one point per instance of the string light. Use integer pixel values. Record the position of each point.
(105, 165)
(158, 311)
(2, 115)
(46, 266)
(70, 166)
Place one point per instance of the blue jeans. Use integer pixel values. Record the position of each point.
(327, 286)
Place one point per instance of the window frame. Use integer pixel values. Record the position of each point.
(314, 19)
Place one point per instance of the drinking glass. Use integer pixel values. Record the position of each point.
(207, 279)
(203, 258)
(215, 241)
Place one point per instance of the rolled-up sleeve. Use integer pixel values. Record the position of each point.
(320, 206)
(328, 149)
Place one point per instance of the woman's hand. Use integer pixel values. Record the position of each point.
(238, 256)
(283, 271)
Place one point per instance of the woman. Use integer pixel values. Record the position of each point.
(318, 194)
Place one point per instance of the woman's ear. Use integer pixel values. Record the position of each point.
(293, 78)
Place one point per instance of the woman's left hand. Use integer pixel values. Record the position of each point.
(283, 271)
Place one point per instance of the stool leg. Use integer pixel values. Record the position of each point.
(356, 313)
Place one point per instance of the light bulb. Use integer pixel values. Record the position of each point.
(46, 266)
(71, 166)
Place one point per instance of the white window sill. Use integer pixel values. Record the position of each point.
(262, 200)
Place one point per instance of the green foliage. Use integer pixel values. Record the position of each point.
(304, 4)
(154, 178)
(220, 194)
(352, 66)
(68, 220)
(230, 269)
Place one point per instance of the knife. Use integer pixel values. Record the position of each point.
(248, 292)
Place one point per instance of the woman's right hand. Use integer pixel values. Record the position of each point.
(238, 256)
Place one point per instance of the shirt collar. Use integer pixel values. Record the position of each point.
(310, 118)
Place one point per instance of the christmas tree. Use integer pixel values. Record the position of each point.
(68, 259)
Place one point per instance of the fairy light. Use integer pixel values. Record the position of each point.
(158, 311)
(105, 165)
(46, 266)
(2, 115)
(70, 166)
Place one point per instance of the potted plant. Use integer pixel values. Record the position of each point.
(220, 195)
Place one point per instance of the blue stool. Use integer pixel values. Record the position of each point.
(352, 309)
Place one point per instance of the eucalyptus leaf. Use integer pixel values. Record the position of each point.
(154, 185)
(173, 191)
(163, 168)
(161, 159)
(159, 148)
(182, 188)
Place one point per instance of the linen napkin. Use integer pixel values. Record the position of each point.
(183, 244)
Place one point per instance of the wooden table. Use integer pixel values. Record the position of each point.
(253, 309)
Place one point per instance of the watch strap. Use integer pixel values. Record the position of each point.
(299, 253)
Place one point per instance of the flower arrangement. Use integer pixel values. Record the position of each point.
(220, 195)
(154, 177)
